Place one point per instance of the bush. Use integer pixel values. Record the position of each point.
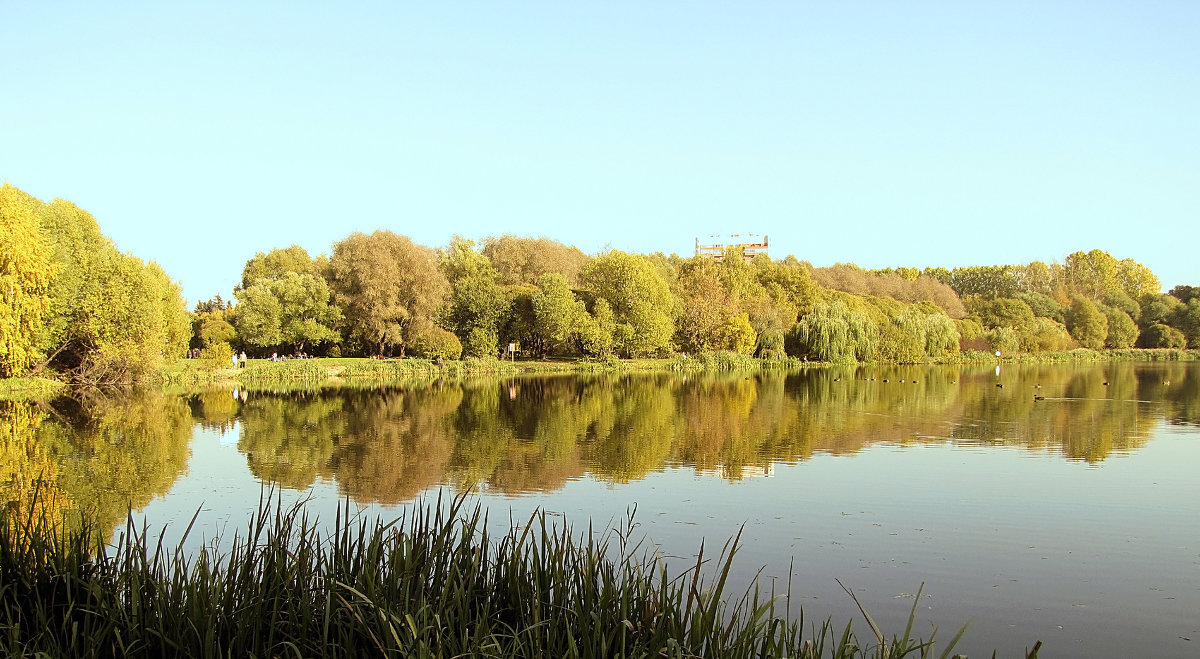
(437, 342)
(219, 352)
(1162, 336)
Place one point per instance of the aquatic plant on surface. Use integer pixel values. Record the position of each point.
(432, 583)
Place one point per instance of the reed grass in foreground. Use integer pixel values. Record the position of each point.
(432, 584)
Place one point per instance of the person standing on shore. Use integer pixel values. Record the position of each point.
(242, 359)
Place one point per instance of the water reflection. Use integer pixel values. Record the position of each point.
(387, 444)
(101, 454)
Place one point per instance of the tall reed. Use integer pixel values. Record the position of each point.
(433, 583)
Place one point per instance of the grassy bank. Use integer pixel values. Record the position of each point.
(261, 371)
(432, 584)
(1080, 355)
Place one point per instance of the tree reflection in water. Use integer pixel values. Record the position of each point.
(388, 443)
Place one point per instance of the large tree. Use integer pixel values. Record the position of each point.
(26, 272)
(112, 317)
(389, 289)
(558, 315)
(1087, 323)
(291, 310)
(478, 302)
(639, 298)
(273, 265)
(526, 260)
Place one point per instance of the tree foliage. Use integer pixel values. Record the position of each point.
(276, 263)
(291, 310)
(477, 302)
(639, 299)
(111, 317)
(1087, 324)
(833, 332)
(26, 272)
(1122, 331)
(388, 288)
(558, 316)
(526, 260)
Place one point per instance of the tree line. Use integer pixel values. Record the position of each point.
(73, 303)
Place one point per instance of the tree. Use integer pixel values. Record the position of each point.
(737, 335)
(1087, 324)
(437, 342)
(989, 281)
(1122, 331)
(1187, 321)
(706, 305)
(639, 299)
(789, 284)
(1035, 277)
(527, 260)
(557, 313)
(1185, 294)
(1158, 309)
(276, 263)
(389, 289)
(833, 332)
(1162, 336)
(210, 329)
(596, 331)
(1000, 312)
(291, 310)
(113, 318)
(1136, 279)
(26, 272)
(1043, 306)
(1044, 335)
(477, 302)
(214, 304)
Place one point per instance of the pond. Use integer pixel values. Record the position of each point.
(1051, 502)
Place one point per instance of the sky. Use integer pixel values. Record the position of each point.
(878, 133)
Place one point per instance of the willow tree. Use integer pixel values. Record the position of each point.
(834, 332)
(389, 289)
(26, 272)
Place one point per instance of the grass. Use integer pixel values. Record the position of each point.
(431, 584)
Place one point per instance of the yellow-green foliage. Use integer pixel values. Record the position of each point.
(26, 271)
(739, 336)
(104, 316)
(639, 298)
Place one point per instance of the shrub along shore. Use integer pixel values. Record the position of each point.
(432, 583)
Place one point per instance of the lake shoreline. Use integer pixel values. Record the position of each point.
(334, 370)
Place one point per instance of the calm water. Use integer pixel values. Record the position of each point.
(1072, 519)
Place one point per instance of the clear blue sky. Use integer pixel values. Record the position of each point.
(879, 133)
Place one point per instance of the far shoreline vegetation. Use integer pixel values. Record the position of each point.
(75, 310)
